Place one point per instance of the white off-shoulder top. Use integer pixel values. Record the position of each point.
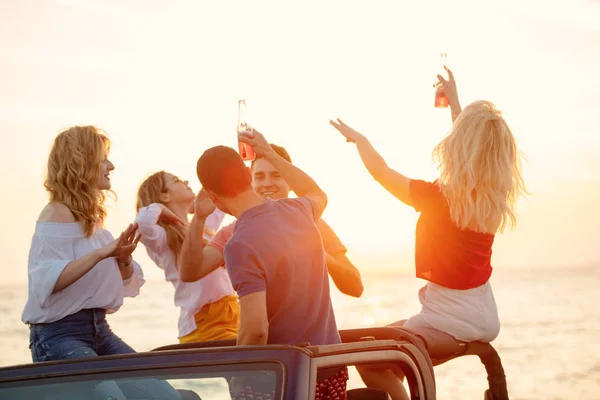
(53, 246)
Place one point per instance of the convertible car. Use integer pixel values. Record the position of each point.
(201, 371)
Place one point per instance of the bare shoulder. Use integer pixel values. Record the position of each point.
(56, 212)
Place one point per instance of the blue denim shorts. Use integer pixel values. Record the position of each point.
(87, 334)
(83, 334)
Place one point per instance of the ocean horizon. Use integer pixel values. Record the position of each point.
(550, 321)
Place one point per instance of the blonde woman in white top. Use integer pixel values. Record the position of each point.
(209, 306)
(77, 271)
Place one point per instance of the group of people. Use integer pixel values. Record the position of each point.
(263, 279)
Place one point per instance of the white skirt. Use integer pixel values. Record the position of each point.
(467, 315)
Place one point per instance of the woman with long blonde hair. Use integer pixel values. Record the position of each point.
(474, 198)
(77, 271)
(209, 306)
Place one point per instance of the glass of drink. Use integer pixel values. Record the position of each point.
(441, 101)
(244, 128)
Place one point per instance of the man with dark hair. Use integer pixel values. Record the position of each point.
(267, 181)
(222, 173)
(275, 256)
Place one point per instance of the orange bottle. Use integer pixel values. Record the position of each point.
(244, 128)
(441, 101)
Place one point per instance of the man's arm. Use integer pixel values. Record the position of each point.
(344, 274)
(302, 184)
(248, 279)
(254, 323)
(197, 260)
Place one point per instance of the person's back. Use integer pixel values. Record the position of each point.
(275, 257)
(444, 253)
(473, 199)
(277, 247)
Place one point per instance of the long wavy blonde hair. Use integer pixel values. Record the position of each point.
(74, 167)
(480, 170)
(149, 193)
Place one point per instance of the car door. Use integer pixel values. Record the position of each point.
(185, 375)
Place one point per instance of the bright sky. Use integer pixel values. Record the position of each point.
(163, 79)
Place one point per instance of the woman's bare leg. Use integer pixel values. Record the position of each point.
(384, 379)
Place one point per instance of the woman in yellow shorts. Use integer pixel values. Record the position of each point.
(209, 306)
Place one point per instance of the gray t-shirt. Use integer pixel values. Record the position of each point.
(276, 247)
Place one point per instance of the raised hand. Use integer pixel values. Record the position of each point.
(203, 205)
(167, 215)
(258, 142)
(124, 245)
(350, 134)
(449, 87)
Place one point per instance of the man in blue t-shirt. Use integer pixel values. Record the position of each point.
(275, 257)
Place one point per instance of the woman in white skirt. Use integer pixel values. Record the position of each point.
(473, 199)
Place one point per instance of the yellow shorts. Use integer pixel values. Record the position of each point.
(216, 321)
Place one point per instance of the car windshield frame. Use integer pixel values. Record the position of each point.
(33, 385)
